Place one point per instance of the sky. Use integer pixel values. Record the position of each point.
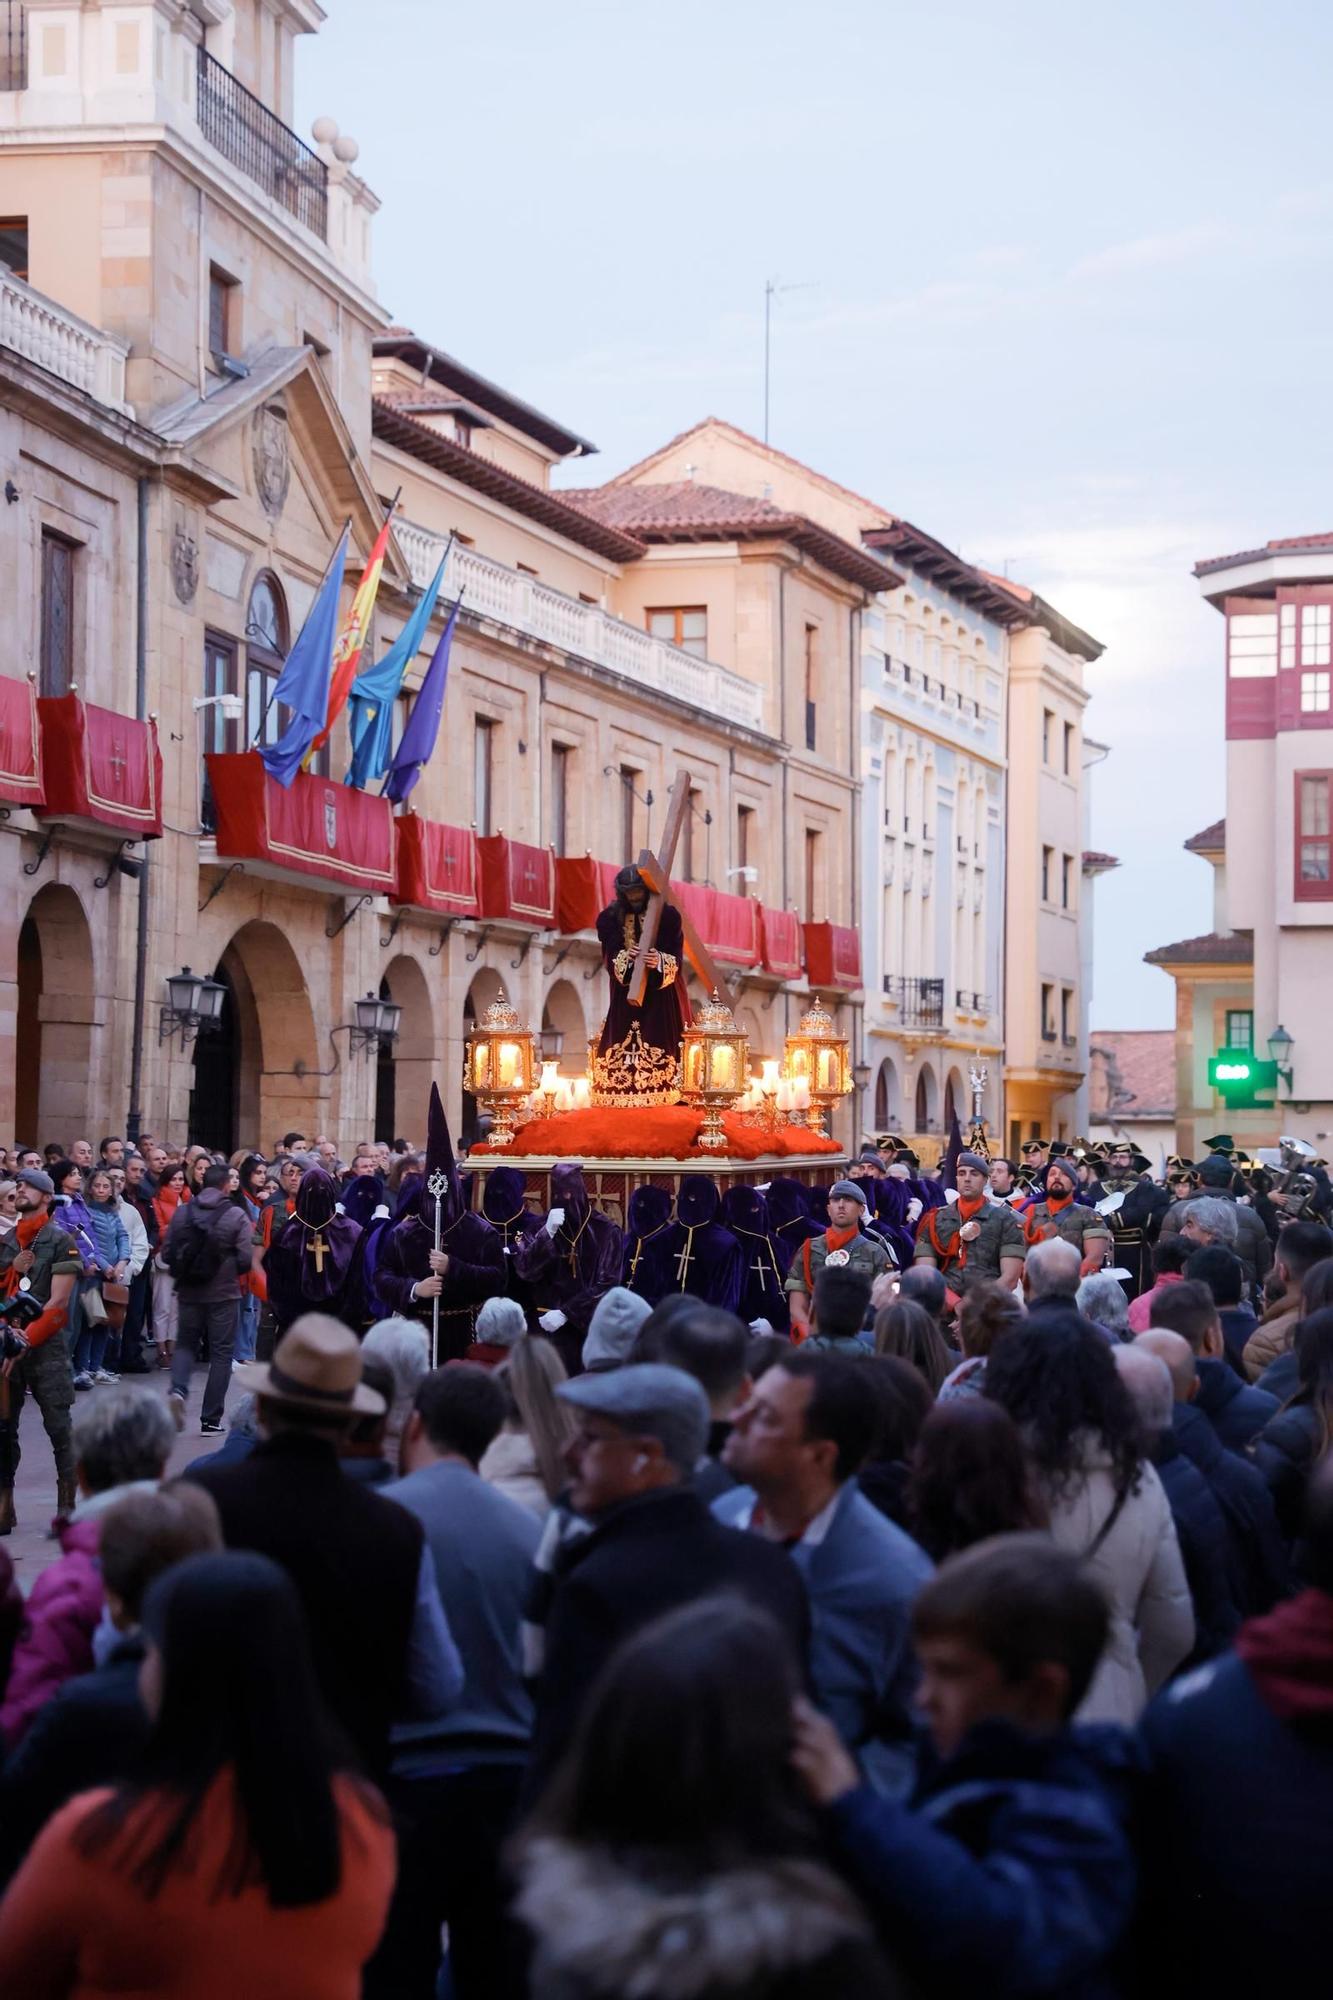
(1058, 277)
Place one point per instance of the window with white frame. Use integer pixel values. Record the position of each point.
(1315, 634)
(1314, 693)
(1252, 645)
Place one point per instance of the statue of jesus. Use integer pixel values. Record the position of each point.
(637, 1060)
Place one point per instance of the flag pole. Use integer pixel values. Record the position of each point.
(454, 609)
(259, 733)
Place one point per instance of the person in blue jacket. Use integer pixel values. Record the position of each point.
(1010, 1871)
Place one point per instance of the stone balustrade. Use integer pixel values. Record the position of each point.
(62, 343)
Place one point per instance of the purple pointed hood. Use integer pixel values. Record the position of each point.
(745, 1208)
(697, 1202)
(569, 1191)
(649, 1209)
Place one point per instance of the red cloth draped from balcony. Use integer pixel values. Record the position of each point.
(728, 925)
(583, 888)
(316, 827)
(517, 881)
(833, 956)
(20, 744)
(101, 766)
(437, 867)
(782, 943)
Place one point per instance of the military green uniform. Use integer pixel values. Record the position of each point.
(46, 1369)
(866, 1254)
(966, 1265)
(1082, 1227)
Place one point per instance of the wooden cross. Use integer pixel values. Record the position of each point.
(318, 1247)
(656, 872)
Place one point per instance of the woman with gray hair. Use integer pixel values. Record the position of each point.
(1101, 1298)
(122, 1441)
(403, 1346)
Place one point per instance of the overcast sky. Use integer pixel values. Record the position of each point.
(1065, 276)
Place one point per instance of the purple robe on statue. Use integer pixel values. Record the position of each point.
(570, 1271)
(310, 1264)
(647, 1268)
(638, 1051)
(705, 1258)
(745, 1211)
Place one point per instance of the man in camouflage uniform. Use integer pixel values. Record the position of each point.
(1058, 1214)
(973, 1241)
(40, 1258)
(843, 1244)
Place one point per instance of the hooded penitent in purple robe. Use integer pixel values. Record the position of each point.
(745, 1212)
(310, 1264)
(647, 1268)
(891, 1198)
(474, 1250)
(789, 1221)
(705, 1258)
(504, 1208)
(569, 1272)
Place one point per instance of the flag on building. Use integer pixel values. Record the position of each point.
(303, 684)
(374, 692)
(423, 724)
(352, 638)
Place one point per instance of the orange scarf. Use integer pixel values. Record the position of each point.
(26, 1230)
(955, 1252)
(834, 1239)
(1054, 1205)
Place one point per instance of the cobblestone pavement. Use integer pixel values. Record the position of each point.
(30, 1547)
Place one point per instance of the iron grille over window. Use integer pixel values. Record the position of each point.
(920, 1001)
(248, 134)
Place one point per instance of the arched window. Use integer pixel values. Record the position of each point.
(922, 1103)
(267, 638)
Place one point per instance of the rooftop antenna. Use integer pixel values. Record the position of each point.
(772, 287)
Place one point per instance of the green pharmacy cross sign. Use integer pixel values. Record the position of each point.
(1239, 1078)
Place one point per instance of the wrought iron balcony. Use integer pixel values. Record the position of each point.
(920, 1001)
(254, 139)
(13, 45)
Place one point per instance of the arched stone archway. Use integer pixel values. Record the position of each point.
(955, 1099)
(562, 1010)
(486, 987)
(254, 1078)
(410, 1064)
(55, 1018)
(927, 1099)
(888, 1095)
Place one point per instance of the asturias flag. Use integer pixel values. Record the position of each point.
(352, 638)
(303, 684)
(375, 691)
(423, 724)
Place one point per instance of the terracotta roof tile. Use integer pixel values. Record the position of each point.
(1137, 1078)
(1209, 840)
(881, 515)
(682, 510)
(1215, 947)
(1319, 543)
(1095, 862)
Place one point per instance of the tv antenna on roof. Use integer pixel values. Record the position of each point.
(772, 288)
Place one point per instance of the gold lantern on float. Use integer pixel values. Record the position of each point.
(817, 1062)
(715, 1067)
(498, 1067)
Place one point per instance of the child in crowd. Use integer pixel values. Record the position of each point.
(1011, 1870)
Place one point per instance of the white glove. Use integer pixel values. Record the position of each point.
(554, 1220)
(914, 1207)
(551, 1322)
(761, 1326)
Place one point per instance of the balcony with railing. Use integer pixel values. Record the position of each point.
(13, 45)
(255, 139)
(62, 343)
(920, 1002)
(527, 605)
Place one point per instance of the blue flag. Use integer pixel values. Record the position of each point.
(374, 693)
(303, 684)
(423, 724)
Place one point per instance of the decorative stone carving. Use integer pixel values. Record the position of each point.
(184, 563)
(272, 457)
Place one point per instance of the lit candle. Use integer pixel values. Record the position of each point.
(784, 1095)
(564, 1097)
(550, 1079)
(481, 1065)
(826, 1069)
(800, 1094)
(724, 1066)
(582, 1093)
(769, 1085)
(509, 1062)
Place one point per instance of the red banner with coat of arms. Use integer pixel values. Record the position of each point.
(101, 766)
(313, 827)
(20, 744)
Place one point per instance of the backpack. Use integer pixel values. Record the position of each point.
(197, 1255)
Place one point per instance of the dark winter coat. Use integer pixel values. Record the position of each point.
(772, 1929)
(1260, 1570)
(1205, 1549)
(1011, 1871)
(1284, 1451)
(1235, 1410)
(1251, 1246)
(230, 1227)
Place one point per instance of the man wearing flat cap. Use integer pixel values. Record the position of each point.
(973, 1241)
(652, 1545)
(844, 1244)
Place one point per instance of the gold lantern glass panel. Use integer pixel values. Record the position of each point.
(715, 1067)
(499, 1067)
(817, 1061)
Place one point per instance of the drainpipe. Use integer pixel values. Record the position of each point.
(134, 1118)
(854, 766)
(782, 730)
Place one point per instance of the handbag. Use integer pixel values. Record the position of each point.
(93, 1307)
(115, 1299)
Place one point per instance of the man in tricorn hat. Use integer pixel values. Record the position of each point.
(468, 1267)
(638, 1050)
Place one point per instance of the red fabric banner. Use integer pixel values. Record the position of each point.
(732, 934)
(20, 744)
(517, 881)
(782, 943)
(101, 766)
(583, 888)
(437, 867)
(316, 827)
(833, 956)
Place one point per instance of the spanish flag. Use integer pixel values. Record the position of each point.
(352, 639)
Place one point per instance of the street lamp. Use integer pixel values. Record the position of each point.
(193, 1003)
(551, 1042)
(1280, 1046)
(376, 1024)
